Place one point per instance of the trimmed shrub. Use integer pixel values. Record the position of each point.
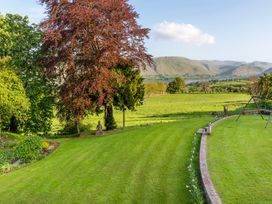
(69, 128)
(28, 149)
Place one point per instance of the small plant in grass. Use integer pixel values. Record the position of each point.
(194, 185)
(28, 149)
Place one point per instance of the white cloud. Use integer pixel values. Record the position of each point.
(186, 33)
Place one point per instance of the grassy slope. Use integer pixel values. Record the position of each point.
(139, 165)
(239, 158)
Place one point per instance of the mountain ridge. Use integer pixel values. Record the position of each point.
(170, 66)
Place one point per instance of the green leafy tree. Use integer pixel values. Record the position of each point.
(176, 86)
(130, 91)
(205, 87)
(252, 86)
(21, 41)
(84, 40)
(264, 86)
(14, 103)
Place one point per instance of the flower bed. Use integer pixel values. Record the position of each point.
(17, 152)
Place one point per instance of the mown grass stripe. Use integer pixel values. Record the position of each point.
(140, 165)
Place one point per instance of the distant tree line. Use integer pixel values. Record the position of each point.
(210, 87)
(178, 85)
(259, 86)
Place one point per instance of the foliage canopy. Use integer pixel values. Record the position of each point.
(130, 91)
(83, 41)
(21, 41)
(13, 100)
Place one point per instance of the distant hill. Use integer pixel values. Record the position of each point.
(268, 71)
(170, 67)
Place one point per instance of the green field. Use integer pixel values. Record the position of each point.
(145, 164)
(230, 83)
(240, 160)
(168, 108)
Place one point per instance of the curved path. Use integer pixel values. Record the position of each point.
(210, 191)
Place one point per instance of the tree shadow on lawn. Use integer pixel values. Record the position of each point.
(182, 115)
(242, 102)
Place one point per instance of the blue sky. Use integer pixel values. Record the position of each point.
(197, 29)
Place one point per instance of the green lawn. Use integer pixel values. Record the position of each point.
(240, 160)
(167, 108)
(139, 165)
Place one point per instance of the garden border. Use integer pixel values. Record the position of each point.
(209, 189)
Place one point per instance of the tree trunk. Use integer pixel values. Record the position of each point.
(124, 117)
(105, 116)
(13, 126)
(78, 128)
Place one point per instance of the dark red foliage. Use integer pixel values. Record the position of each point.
(83, 40)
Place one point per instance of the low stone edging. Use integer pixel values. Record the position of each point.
(210, 191)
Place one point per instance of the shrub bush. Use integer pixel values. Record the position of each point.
(10, 155)
(59, 135)
(6, 156)
(5, 168)
(45, 145)
(28, 149)
(3, 158)
(69, 128)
